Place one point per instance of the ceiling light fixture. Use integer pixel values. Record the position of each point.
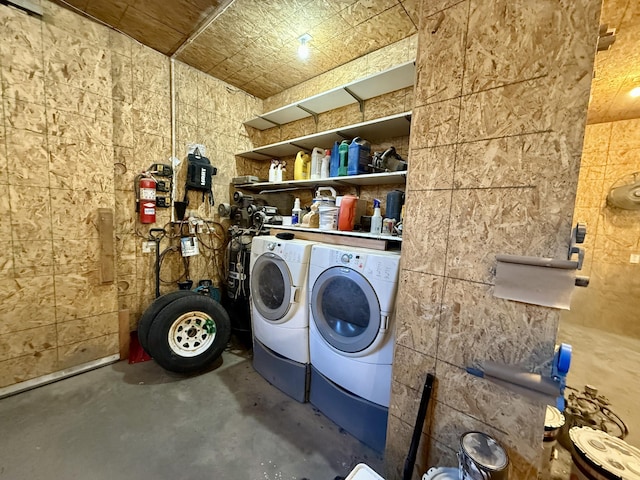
(303, 49)
(635, 92)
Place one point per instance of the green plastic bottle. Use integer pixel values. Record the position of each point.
(343, 153)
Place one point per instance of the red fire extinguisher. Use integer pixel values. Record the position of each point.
(147, 188)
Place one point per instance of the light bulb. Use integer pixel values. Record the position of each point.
(303, 49)
(635, 92)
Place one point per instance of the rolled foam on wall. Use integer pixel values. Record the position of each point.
(540, 281)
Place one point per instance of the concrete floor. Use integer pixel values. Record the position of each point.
(140, 422)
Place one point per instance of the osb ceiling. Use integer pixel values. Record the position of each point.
(252, 44)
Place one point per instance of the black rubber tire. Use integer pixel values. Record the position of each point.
(158, 339)
(149, 315)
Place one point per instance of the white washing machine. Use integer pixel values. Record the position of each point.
(280, 314)
(352, 336)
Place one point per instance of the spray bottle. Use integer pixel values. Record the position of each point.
(295, 212)
(376, 220)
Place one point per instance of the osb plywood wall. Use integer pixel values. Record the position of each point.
(497, 132)
(209, 113)
(612, 300)
(84, 111)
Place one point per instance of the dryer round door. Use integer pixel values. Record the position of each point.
(271, 286)
(345, 309)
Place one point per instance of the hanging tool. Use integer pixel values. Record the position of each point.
(417, 429)
(155, 235)
(531, 384)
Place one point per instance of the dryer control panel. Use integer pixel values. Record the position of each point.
(290, 253)
(371, 266)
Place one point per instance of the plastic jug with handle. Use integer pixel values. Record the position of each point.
(347, 214)
(301, 167)
(359, 151)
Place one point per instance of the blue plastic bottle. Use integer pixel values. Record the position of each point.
(359, 151)
(335, 160)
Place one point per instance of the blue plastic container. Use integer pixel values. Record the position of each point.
(359, 151)
(335, 160)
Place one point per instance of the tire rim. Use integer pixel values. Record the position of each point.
(192, 334)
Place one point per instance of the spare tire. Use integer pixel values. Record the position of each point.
(189, 334)
(149, 315)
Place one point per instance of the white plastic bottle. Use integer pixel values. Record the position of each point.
(272, 171)
(279, 173)
(295, 212)
(376, 220)
(316, 162)
(326, 164)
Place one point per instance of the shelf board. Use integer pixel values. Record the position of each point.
(366, 179)
(360, 239)
(395, 78)
(398, 125)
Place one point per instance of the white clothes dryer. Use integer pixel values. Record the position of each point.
(280, 314)
(352, 336)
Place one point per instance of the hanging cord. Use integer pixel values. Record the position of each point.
(185, 264)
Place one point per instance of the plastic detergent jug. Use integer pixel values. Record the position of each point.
(325, 200)
(347, 213)
(343, 153)
(359, 151)
(316, 162)
(395, 200)
(335, 160)
(301, 167)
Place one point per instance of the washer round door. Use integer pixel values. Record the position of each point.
(345, 309)
(271, 286)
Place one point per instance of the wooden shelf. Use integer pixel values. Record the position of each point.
(396, 78)
(389, 178)
(398, 125)
(337, 237)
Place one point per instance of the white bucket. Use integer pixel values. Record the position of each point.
(328, 218)
(600, 456)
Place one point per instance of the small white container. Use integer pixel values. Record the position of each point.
(328, 218)
(362, 471)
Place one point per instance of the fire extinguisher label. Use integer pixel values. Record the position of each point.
(147, 194)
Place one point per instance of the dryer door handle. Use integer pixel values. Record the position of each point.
(384, 323)
(294, 295)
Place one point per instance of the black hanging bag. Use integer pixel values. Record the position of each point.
(200, 174)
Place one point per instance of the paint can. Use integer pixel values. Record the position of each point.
(481, 457)
(599, 456)
(553, 422)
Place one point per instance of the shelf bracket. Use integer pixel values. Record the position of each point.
(310, 112)
(270, 121)
(358, 99)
